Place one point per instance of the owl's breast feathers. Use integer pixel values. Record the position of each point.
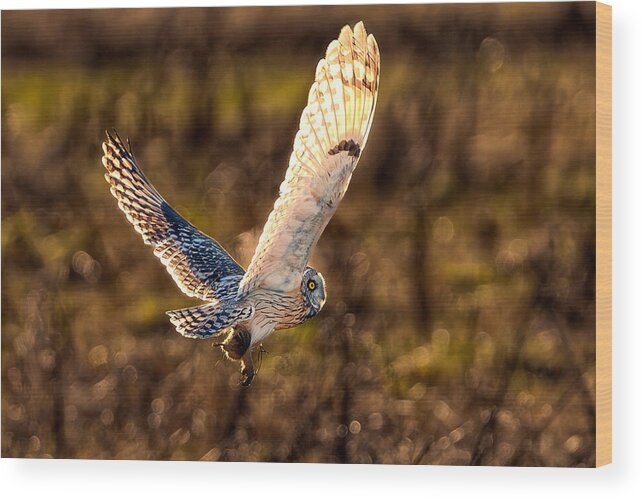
(276, 310)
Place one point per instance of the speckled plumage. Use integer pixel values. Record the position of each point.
(278, 290)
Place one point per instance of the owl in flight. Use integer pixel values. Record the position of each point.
(279, 290)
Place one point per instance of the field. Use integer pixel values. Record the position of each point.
(460, 321)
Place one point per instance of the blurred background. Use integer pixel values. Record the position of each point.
(459, 327)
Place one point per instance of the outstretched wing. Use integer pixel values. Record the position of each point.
(199, 265)
(333, 131)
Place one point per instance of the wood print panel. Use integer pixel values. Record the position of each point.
(462, 268)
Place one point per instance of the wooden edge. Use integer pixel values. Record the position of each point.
(603, 234)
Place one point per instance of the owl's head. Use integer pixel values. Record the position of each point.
(313, 288)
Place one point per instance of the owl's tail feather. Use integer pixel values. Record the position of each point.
(212, 319)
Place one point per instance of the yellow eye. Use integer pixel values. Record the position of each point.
(312, 285)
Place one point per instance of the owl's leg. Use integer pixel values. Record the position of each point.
(247, 369)
(236, 343)
(237, 347)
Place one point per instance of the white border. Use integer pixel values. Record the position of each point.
(624, 478)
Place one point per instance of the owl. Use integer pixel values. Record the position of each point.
(278, 290)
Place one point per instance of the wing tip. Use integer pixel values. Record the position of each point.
(359, 32)
(112, 136)
(345, 35)
(372, 43)
(116, 143)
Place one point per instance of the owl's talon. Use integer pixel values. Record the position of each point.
(247, 375)
(247, 369)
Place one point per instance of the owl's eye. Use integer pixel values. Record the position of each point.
(312, 285)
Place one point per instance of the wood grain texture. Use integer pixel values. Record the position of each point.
(603, 234)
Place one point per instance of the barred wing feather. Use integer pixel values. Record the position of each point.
(197, 263)
(333, 131)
